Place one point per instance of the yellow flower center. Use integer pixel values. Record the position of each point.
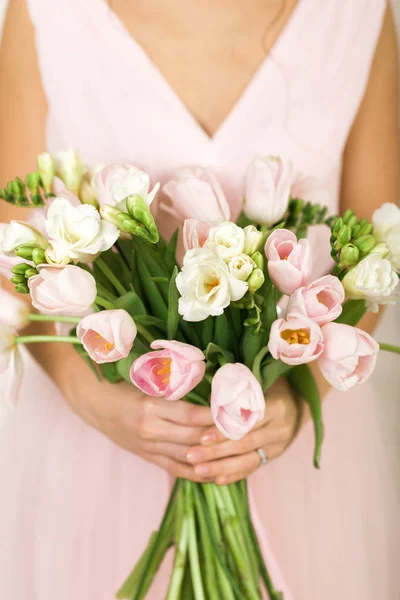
(165, 370)
(107, 345)
(298, 336)
(212, 284)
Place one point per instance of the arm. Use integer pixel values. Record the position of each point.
(370, 177)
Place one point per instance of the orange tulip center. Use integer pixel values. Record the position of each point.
(165, 369)
(107, 345)
(298, 336)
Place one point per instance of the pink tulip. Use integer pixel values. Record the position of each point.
(195, 233)
(66, 290)
(321, 301)
(195, 193)
(11, 367)
(171, 372)
(289, 260)
(237, 400)
(107, 336)
(296, 340)
(14, 312)
(349, 355)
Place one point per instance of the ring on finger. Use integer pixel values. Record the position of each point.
(263, 457)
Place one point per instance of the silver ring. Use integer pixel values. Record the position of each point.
(263, 457)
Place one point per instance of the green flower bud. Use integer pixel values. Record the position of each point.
(38, 256)
(365, 228)
(347, 215)
(337, 226)
(22, 288)
(24, 251)
(37, 200)
(349, 255)
(32, 182)
(246, 302)
(143, 224)
(365, 243)
(355, 230)
(253, 238)
(31, 272)
(110, 213)
(258, 259)
(18, 187)
(18, 279)
(20, 269)
(47, 170)
(352, 221)
(255, 280)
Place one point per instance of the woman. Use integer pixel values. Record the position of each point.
(162, 84)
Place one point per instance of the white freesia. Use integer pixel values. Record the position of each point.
(268, 183)
(373, 280)
(77, 233)
(114, 183)
(11, 368)
(18, 233)
(206, 286)
(14, 312)
(241, 266)
(386, 221)
(252, 239)
(70, 168)
(226, 240)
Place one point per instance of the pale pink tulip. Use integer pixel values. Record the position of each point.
(107, 336)
(6, 262)
(289, 260)
(66, 290)
(14, 312)
(171, 372)
(321, 300)
(237, 400)
(349, 355)
(295, 340)
(195, 233)
(11, 367)
(195, 193)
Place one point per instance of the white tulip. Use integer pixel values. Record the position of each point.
(18, 233)
(206, 286)
(252, 239)
(77, 233)
(268, 184)
(241, 267)
(373, 280)
(386, 221)
(226, 240)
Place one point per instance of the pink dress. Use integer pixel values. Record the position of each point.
(76, 510)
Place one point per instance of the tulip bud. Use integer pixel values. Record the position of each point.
(22, 288)
(255, 280)
(258, 259)
(69, 167)
(18, 279)
(38, 256)
(365, 243)
(87, 194)
(20, 269)
(46, 169)
(349, 255)
(253, 238)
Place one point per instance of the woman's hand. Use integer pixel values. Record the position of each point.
(225, 461)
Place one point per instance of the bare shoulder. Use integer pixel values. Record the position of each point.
(23, 106)
(371, 159)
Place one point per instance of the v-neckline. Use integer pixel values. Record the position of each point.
(176, 101)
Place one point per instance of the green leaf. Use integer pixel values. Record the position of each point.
(173, 299)
(152, 293)
(115, 261)
(257, 363)
(160, 279)
(140, 347)
(353, 311)
(150, 321)
(131, 303)
(271, 371)
(302, 380)
(124, 365)
(251, 344)
(207, 331)
(110, 372)
(243, 220)
(269, 309)
(170, 253)
(217, 355)
(125, 248)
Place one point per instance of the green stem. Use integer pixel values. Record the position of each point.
(240, 501)
(103, 266)
(56, 318)
(211, 582)
(197, 399)
(193, 548)
(390, 348)
(104, 303)
(105, 293)
(182, 540)
(232, 328)
(144, 333)
(31, 339)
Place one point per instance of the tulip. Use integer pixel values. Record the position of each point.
(19, 233)
(11, 367)
(321, 301)
(6, 262)
(62, 291)
(289, 260)
(14, 312)
(107, 336)
(295, 340)
(195, 193)
(268, 183)
(171, 372)
(349, 355)
(237, 400)
(195, 233)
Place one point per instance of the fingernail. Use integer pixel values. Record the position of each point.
(195, 456)
(208, 438)
(202, 470)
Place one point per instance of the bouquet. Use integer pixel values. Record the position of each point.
(216, 329)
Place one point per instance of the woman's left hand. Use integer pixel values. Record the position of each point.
(226, 461)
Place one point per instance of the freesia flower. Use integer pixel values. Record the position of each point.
(241, 266)
(195, 193)
(62, 291)
(226, 240)
(70, 168)
(206, 286)
(295, 340)
(107, 336)
(349, 355)
(114, 183)
(237, 400)
(11, 367)
(252, 239)
(6, 262)
(372, 279)
(268, 183)
(386, 221)
(76, 233)
(195, 233)
(17, 233)
(289, 260)
(14, 312)
(172, 371)
(321, 300)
